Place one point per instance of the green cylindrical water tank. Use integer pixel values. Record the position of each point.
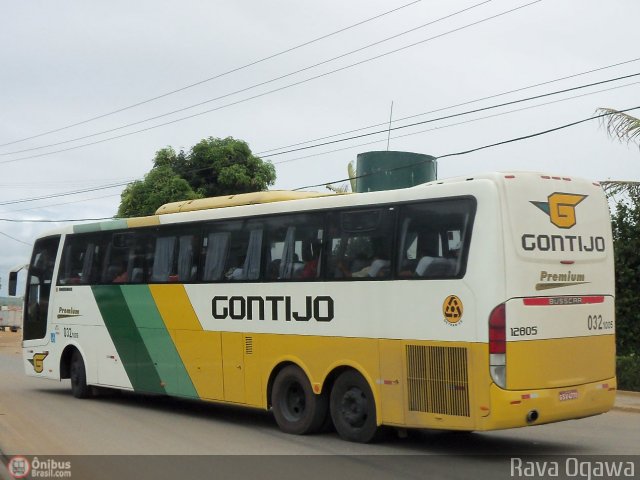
(392, 170)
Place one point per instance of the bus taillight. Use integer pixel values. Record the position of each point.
(497, 345)
(497, 330)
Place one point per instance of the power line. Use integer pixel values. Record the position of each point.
(219, 75)
(465, 152)
(56, 184)
(85, 190)
(274, 90)
(289, 160)
(16, 239)
(555, 80)
(60, 204)
(64, 194)
(37, 220)
(114, 185)
(251, 87)
(446, 117)
(537, 134)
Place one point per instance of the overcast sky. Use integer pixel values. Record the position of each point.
(65, 62)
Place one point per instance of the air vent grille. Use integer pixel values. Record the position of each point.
(438, 380)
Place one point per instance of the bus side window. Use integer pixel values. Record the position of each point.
(360, 244)
(126, 259)
(80, 260)
(71, 268)
(174, 258)
(294, 245)
(117, 258)
(215, 251)
(432, 239)
(232, 251)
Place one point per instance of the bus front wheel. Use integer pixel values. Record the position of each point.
(78, 374)
(296, 408)
(353, 408)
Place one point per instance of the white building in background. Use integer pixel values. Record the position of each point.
(10, 313)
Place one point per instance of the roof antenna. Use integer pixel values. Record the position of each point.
(389, 133)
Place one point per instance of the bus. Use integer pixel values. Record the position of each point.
(470, 304)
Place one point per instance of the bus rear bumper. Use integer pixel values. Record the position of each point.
(520, 408)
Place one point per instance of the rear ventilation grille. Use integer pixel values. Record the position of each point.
(248, 345)
(438, 380)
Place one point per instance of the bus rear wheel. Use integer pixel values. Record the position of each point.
(296, 408)
(78, 374)
(353, 408)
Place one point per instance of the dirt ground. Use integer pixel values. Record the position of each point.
(10, 341)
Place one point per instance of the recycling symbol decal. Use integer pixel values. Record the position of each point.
(452, 310)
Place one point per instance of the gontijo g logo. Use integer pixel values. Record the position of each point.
(38, 361)
(561, 208)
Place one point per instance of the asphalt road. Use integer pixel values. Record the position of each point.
(40, 417)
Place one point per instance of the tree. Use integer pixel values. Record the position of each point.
(223, 167)
(213, 167)
(625, 128)
(345, 187)
(626, 236)
(161, 185)
(622, 126)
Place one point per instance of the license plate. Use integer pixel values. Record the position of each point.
(568, 395)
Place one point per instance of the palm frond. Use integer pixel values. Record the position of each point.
(618, 190)
(351, 170)
(344, 188)
(625, 128)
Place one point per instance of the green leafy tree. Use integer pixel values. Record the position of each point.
(626, 236)
(161, 185)
(625, 195)
(167, 157)
(213, 167)
(226, 166)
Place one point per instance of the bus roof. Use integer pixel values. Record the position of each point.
(236, 200)
(196, 210)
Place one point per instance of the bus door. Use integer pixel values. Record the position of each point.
(36, 312)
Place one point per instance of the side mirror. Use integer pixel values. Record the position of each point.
(13, 279)
(13, 283)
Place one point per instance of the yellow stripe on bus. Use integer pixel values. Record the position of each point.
(149, 221)
(200, 351)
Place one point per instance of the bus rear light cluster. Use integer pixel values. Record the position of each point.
(497, 345)
(497, 330)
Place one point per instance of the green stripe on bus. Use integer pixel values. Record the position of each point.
(114, 225)
(101, 226)
(87, 227)
(156, 338)
(123, 331)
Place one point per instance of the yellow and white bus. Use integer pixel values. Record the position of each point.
(468, 304)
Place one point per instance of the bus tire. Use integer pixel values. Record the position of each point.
(296, 408)
(353, 408)
(78, 375)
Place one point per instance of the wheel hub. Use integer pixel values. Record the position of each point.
(354, 407)
(294, 401)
